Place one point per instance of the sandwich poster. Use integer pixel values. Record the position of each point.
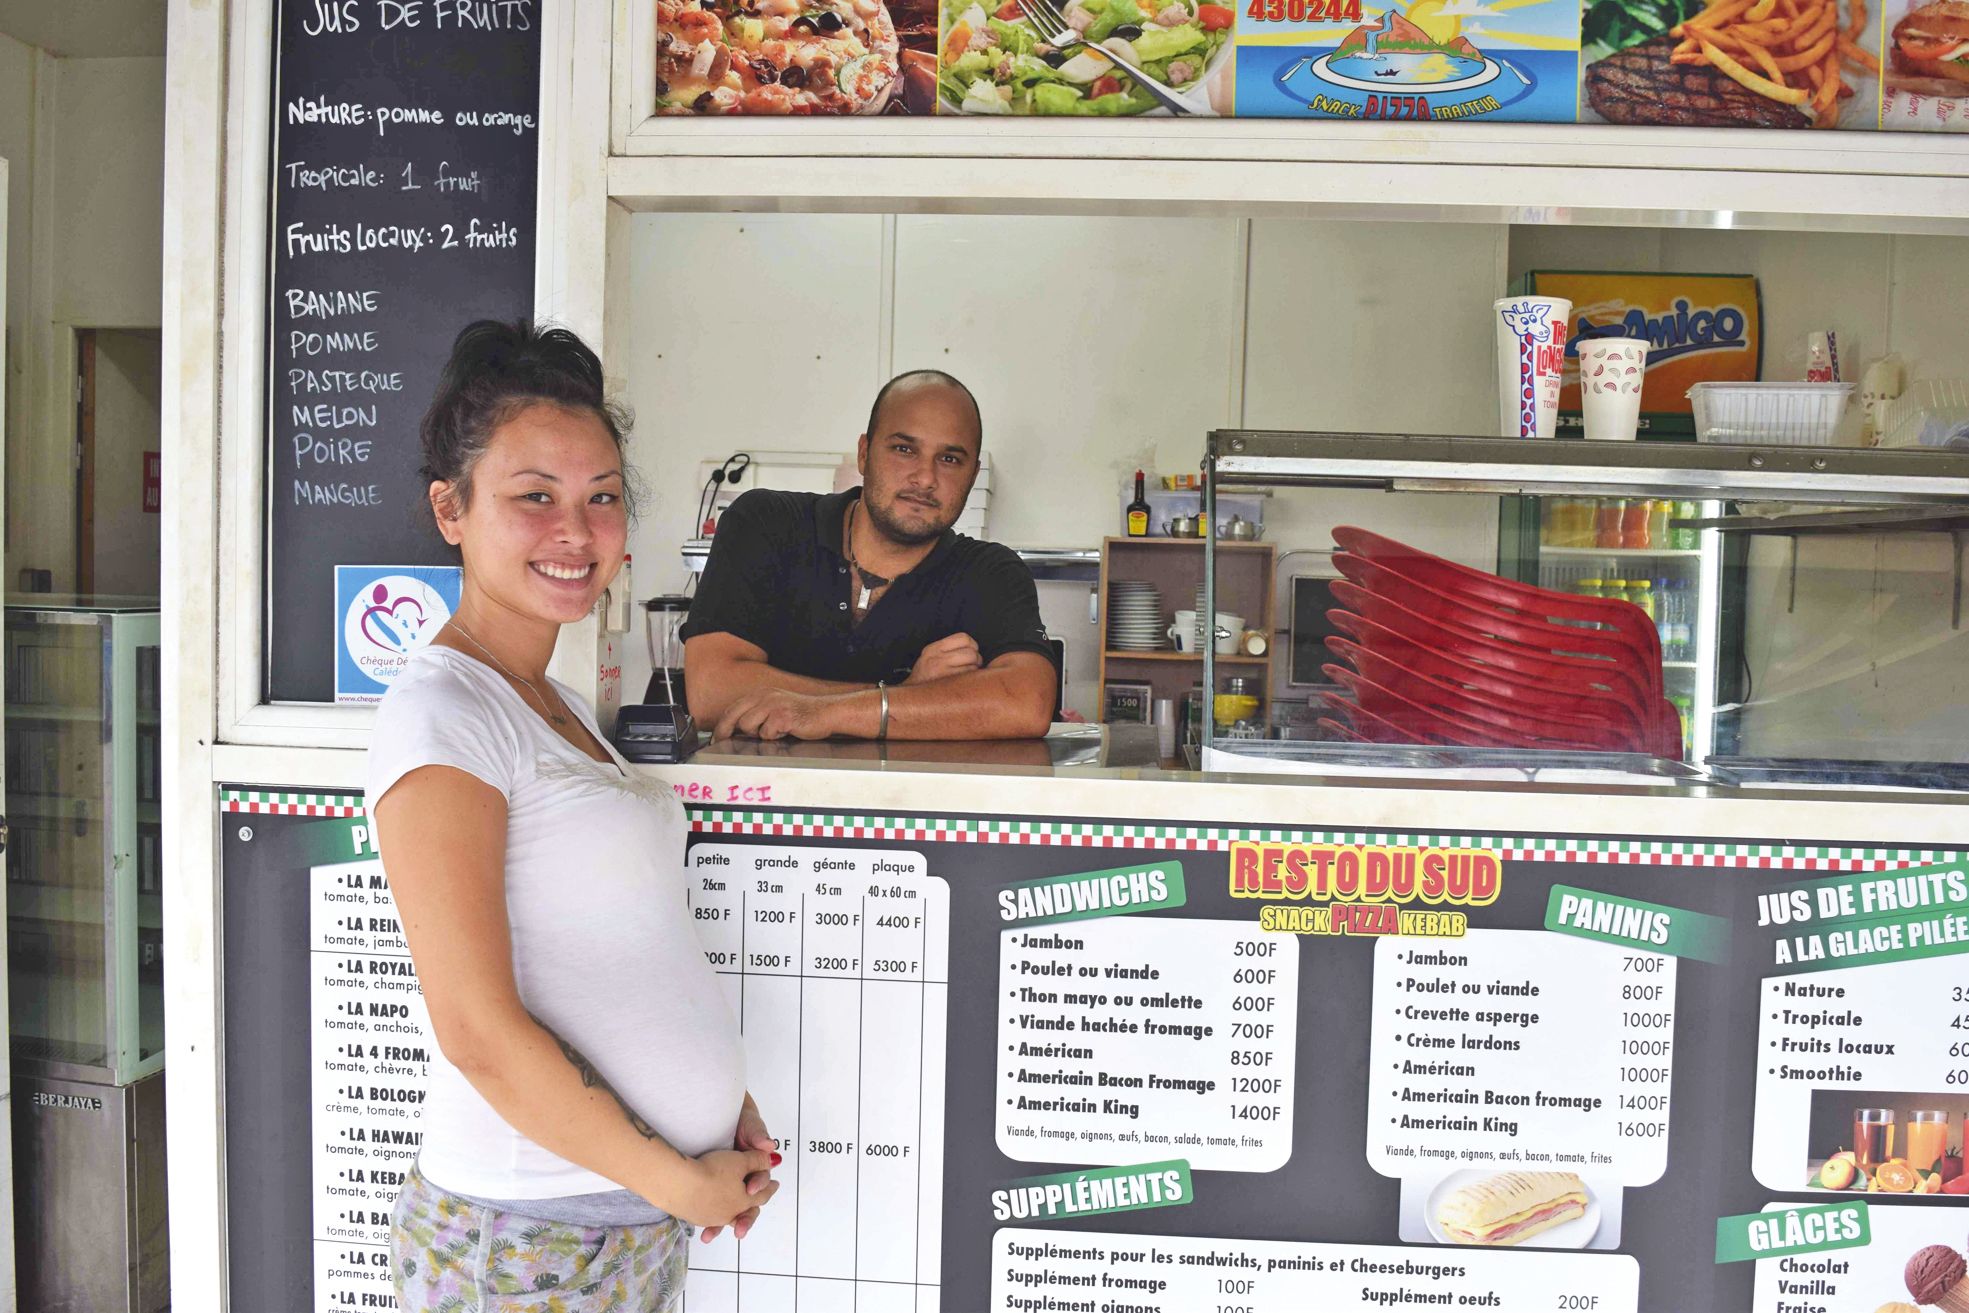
(1926, 85)
(1426, 61)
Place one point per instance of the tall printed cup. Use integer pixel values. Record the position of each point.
(1531, 355)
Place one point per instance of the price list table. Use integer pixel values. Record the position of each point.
(1131, 1039)
(836, 964)
(1521, 1049)
(1893, 1036)
(370, 1063)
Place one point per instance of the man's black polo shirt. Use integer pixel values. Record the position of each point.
(778, 578)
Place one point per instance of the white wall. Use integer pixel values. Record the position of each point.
(109, 192)
(87, 249)
(1096, 347)
(127, 419)
(19, 68)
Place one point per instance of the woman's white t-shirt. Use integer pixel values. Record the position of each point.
(603, 948)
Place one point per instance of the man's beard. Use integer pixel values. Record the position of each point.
(901, 534)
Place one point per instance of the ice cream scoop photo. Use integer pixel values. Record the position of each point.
(1935, 1278)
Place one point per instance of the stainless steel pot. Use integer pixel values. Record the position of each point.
(1240, 530)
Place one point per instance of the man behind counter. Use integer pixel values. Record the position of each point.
(861, 614)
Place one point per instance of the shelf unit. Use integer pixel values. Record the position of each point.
(1175, 566)
(1878, 182)
(1640, 553)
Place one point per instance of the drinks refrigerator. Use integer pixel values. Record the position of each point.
(1816, 635)
(1656, 553)
(84, 953)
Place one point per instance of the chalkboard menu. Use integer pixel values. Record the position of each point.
(404, 176)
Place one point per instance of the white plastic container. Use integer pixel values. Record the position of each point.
(1796, 414)
(1930, 413)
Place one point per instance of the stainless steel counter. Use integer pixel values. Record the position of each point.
(1128, 750)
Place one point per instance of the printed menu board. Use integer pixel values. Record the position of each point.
(403, 181)
(1895, 64)
(1161, 1067)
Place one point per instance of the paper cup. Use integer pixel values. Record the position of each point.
(1531, 354)
(1611, 373)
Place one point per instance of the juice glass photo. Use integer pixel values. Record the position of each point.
(1873, 1135)
(1927, 1138)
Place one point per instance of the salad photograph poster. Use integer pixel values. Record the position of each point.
(1860, 64)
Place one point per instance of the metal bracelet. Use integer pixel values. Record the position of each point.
(882, 733)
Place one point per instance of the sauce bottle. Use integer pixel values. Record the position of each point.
(1138, 511)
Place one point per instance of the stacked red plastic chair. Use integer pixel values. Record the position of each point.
(1440, 653)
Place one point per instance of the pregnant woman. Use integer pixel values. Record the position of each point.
(587, 1105)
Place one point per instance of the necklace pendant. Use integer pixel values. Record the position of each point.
(862, 605)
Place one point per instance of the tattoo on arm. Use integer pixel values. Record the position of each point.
(594, 1080)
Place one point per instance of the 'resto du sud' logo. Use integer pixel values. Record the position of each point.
(387, 612)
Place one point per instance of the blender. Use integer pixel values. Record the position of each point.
(660, 727)
(663, 619)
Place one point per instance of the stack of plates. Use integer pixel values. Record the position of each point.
(1135, 622)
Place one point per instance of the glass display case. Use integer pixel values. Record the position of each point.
(1661, 613)
(84, 902)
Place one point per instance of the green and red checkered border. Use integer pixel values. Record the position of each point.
(1191, 838)
(264, 802)
(1214, 838)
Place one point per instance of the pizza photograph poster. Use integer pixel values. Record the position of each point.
(1900, 65)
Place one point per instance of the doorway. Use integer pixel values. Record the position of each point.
(118, 466)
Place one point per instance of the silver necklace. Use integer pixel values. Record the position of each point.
(553, 718)
(870, 581)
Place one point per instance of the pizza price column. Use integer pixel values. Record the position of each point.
(371, 1053)
(836, 964)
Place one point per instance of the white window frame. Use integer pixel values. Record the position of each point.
(569, 278)
(217, 726)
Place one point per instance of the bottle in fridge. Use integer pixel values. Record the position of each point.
(1633, 550)
(1659, 513)
(1685, 539)
(1642, 594)
(1634, 519)
(1607, 517)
